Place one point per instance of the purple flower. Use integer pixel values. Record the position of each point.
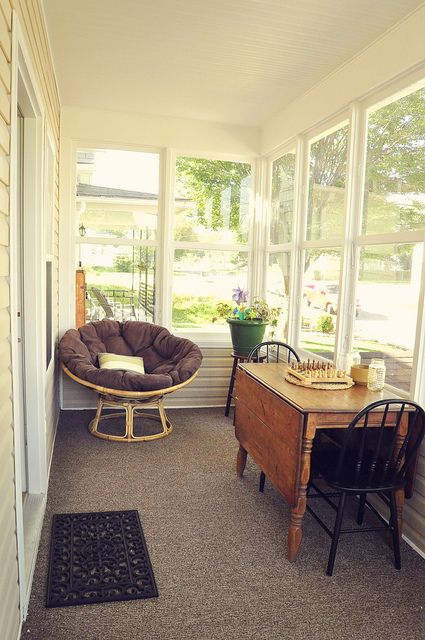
(240, 296)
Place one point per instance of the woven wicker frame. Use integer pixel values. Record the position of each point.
(132, 403)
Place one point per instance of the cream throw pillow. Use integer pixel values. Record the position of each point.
(115, 361)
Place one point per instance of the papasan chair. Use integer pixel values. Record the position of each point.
(152, 364)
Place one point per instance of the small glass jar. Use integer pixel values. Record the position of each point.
(376, 375)
(355, 358)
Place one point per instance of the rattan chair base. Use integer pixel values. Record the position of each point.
(132, 410)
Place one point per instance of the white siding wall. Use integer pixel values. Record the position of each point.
(31, 20)
(414, 510)
(9, 601)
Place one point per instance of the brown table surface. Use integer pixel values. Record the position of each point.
(306, 399)
(276, 422)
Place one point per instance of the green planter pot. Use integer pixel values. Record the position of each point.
(245, 334)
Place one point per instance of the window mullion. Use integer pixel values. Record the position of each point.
(354, 198)
(418, 372)
(297, 258)
(258, 230)
(165, 231)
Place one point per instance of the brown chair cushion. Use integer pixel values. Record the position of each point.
(168, 360)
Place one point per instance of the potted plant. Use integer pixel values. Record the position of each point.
(247, 322)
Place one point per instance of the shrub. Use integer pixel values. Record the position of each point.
(325, 324)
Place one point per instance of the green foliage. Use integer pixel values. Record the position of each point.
(257, 310)
(124, 264)
(204, 182)
(191, 311)
(395, 151)
(184, 232)
(325, 324)
(261, 309)
(222, 310)
(395, 164)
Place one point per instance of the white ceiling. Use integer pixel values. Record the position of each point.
(233, 61)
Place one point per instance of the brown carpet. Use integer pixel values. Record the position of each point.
(218, 548)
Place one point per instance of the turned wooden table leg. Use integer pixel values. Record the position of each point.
(241, 461)
(297, 512)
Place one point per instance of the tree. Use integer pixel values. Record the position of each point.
(205, 181)
(123, 264)
(396, 164)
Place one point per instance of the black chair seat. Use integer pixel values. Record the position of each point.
(370, 457)
(372, 477)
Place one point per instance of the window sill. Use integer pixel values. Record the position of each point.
(205, 338)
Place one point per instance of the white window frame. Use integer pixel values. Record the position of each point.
(293, 146)
(164, 244)
(69, 239)
(49, 203)
(29, 518)
(352, 240)
(314, 135)
(386, 96)
(254, 257)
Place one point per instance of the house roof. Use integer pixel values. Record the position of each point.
(92, 190)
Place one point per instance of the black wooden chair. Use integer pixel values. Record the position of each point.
(366, 462)
(271, 351)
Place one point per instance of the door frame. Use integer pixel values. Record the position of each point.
(29, 517)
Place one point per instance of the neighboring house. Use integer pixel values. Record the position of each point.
(36, 131)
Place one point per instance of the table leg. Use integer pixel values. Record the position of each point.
(297, 512)
(241, 461)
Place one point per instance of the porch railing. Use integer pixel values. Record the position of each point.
(120, 304)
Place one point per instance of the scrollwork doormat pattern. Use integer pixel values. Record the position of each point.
(98, 557)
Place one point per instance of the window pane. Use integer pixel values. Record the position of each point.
(326, 194)
(320, 301)
(112, 220)
(278, 282)
(388, 293)
(117, 194)
(202, 279)
(212, 201)
(282, 205)
(394, 197)
(120, 282)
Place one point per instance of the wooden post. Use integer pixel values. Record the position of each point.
(80, 298)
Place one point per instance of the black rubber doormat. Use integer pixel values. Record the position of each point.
(98, 557)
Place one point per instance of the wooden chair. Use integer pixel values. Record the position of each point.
(170, 363)
(374, 457)
(103, 302)
(271, 351)
(115, 310)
